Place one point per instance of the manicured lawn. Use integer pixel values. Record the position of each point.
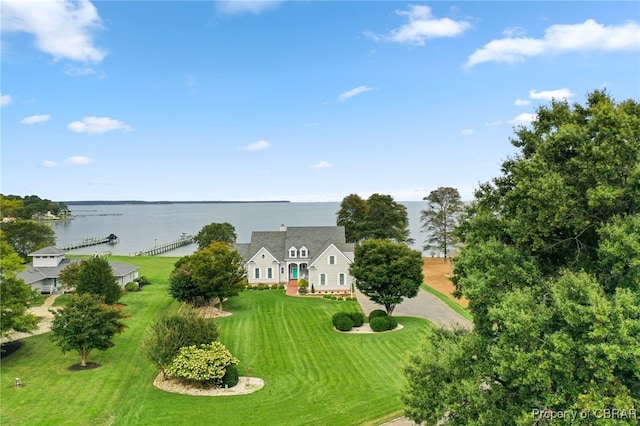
(313, 375)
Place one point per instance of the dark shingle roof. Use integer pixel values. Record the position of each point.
(314, 238)
(51, 250)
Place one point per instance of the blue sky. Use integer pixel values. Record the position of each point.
(290, 100)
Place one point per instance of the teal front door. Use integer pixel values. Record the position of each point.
(294, 273)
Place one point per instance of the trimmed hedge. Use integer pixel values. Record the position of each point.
(385, 323)
(231, 376)
(342, 321)
(377, 313)
(131, 287)
(357, 318)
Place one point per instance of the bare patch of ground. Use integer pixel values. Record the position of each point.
(437, 273)
(246, 385)
(80, 367)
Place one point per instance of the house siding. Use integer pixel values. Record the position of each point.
(263, 264)
(332, 273)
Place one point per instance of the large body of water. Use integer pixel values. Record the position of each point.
(142, 226)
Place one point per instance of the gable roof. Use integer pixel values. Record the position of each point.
(314, 238)
(51, 250)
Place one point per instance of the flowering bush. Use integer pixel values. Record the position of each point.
(204, 365)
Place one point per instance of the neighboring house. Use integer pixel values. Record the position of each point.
(320, 254)
(42, 274)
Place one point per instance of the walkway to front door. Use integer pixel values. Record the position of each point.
(292, 288)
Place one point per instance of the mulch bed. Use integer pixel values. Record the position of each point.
(79, 367)
(8, 348)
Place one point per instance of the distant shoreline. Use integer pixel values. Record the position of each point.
(113, 203)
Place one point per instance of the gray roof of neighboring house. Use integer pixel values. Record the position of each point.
(32, 275)
(47, 251)
(315, 238)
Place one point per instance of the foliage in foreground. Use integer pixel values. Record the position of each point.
(16, 296)
(85, 324)
(551, 270)
(169, 333)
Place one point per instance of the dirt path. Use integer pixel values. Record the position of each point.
(436, 273)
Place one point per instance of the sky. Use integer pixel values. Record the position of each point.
(290, 100)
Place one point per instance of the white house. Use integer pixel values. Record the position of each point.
(42, 274)
(320, 254)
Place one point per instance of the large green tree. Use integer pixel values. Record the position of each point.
(352, 214)
(214, 273)
(15, 295)
(221, 232)
(95, 276)
(26, 236)
(378, 217)
(387, 272)
(85, 324)
(551, 270)
(439, 219)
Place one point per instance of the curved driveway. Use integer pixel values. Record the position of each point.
(424, 305)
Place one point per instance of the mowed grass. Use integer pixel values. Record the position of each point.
(313, 375)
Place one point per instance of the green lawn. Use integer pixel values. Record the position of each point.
(313, 375)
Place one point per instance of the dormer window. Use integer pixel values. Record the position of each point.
(303, 252)
(293, 252)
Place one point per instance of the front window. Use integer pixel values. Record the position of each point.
(293, 252)
(303, 252)
(257, 273)
(323, 279)
(341, 279)
(332, 260)
(269, 273)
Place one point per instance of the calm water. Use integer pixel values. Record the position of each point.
(140, 227)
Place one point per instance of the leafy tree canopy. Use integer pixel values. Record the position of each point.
(222, 232)
(29, 207)
(15, 295)
(216, 272)
(387, 271)
(551, 270)
(85, 324)
(95, 276)
(440, 218)
(26, 236)
(378, 217)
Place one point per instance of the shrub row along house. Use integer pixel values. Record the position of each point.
(319, 254)
(42, 274)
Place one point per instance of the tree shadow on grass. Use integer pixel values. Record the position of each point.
(80, 367)
(8, 348)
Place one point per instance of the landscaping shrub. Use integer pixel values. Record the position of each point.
(204, 365)
(337, 316)
(231, 376)
(131, 287)
(377, 313)
(302, 290)
(381, 323)
(262, 287)
(344, 324)
(313, 289)
(142, 281)
(280, 287)
(274, 286)
(357, 318)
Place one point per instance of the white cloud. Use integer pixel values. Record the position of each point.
(33, 119)
(257, 146)
(466, 132)
(351, 93)
(5, 100)
(422, 26)
(322, 165)
(96, 125)
(558, 39)
(61, 28)
(79, 72)
(522, 102)
(49, 164)
(78, 160)
(238, 7)
(523, 119)
(548, 95)
(493, 123)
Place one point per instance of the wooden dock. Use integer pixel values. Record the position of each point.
(111, 239)
(163, 248)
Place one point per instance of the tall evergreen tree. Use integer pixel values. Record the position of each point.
(352, 214)
(440, 218)
(95, 276)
